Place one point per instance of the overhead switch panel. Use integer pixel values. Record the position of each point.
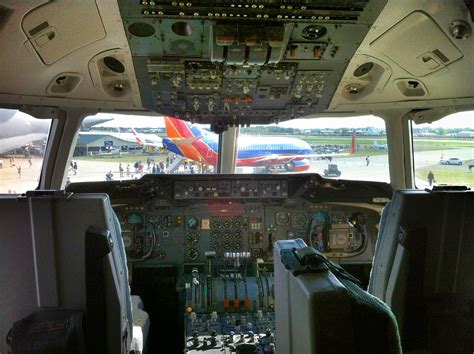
(230, 62)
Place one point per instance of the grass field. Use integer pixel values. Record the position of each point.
(447, 174)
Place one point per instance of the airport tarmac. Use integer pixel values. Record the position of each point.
(9, 178)
(351, 168)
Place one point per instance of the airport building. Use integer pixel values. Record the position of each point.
(92, 143)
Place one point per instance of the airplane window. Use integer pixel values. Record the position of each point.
(120, 147)
(444, 151)
(22, 145)
(349, 148)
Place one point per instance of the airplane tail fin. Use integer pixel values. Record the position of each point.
(353, 144)
(177, 128)
(137, 137)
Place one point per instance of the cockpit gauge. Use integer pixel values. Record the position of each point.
(226, 223)
(237, 234)
(192, 238)
(160, 255)
(282, 218)
(237, 245)
(319, 237)
(227, 234)
(192, 222)
(139, 238)
(155, 221)
(168, 221)
(134, 218)
(237, 223)
(215, 245)
(192, 254)
(299, 219)
(215, 223)
(215, 234)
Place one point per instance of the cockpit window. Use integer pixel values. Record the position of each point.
(347, 148)
(118, 147)
(23, 142)
(444, 151)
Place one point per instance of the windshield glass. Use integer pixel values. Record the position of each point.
(113, 147)
(444, 151)
(348, 148)
(22, 146)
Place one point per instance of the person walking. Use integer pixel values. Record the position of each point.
(431, 178)
(128, 170)
(19, 171)
(120, 169)
(367, 160)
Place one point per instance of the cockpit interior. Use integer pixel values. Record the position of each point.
(168, 185)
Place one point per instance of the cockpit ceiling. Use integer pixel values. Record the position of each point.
(236, 62)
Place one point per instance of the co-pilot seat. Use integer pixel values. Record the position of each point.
(43, 267)
(423, 268)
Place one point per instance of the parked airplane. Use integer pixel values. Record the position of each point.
(375, 145)
(20, 131)
(148, 141)
(190, 141)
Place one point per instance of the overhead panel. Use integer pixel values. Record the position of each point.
(241, 62)
(56, 29)
(418, 45)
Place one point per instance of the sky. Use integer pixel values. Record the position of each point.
(456, 120)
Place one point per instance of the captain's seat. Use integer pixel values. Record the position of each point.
(423, 269)
(62, 261)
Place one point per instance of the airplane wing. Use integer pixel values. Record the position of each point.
(16, 142)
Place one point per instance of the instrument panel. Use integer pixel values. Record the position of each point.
(197, 218)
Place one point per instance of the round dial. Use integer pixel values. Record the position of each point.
(237, 223)
(282, 218)
(237, 234)
(154, 220)
(215, 245)
(160, 254)
(168, 221)
(192, 222)
(227, 234)
(299, 219)
(139, 238)
(215, 234)
(237, 245)
(226, 223)
(227, 245)
(215, 223)
(192, 254)
(192, 237)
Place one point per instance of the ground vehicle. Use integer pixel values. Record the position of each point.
(332, 171)
(152, 58)
(451, 161)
